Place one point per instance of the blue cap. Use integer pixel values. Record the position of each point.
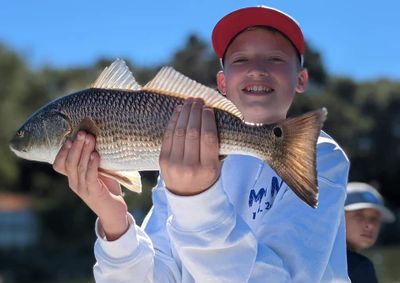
(362, 195)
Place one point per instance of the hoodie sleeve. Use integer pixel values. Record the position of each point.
(294, 243)
(133, 257)
(131, 254)
(216, 245)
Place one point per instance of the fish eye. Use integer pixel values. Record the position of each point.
(277, 132)
(20, 133)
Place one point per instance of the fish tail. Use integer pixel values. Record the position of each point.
(295, 162)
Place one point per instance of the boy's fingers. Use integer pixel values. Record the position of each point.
(192, 140)
(73, 158)
(87, 149)
(92, 172)
(209, 150)
(169, 134)
(59, 161)
(178, 139)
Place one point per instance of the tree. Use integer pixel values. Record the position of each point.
(197, 61)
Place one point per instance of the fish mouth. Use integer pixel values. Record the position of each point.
(15, 149)
(20, 152)
(16, 144)
(258, 89)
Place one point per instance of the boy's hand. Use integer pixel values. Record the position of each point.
(79, 161)
(189, 158)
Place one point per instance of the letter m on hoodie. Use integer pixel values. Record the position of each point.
(256, 197)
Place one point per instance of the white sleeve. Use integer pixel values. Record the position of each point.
(215, 244)
(295, 243)
(127, 259)
(133, 257)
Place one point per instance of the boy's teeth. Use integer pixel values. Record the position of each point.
(259, 89)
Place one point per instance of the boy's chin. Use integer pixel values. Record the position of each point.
(263, 115)
(364, 244)
(264, 119)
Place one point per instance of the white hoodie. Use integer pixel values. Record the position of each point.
(248, 227)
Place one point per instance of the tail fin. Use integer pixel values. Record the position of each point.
(296, 164)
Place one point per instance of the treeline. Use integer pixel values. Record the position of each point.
(363, 117)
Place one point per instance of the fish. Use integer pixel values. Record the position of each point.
(129, 120)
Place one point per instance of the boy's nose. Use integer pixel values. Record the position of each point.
(258, 69)
(369, 225)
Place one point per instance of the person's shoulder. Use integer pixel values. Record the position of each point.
(326, 144)
(360, 268)
(355, 259)
(332, 161)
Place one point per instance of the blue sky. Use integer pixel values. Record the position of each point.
(360, 39)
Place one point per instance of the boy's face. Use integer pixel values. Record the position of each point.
(261, 75)
(362, 228)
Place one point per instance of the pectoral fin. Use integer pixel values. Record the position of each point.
(129, 179)
(87, 125)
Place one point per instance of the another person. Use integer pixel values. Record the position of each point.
(234, 221)
(365, 213)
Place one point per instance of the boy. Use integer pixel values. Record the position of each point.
(230, 222)
(365, 213)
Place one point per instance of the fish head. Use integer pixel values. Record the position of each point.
(42, 135)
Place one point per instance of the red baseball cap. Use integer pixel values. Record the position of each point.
(232, 24)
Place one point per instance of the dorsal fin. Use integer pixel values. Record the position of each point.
(116, 76)
(171, 82)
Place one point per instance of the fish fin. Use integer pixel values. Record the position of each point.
(116, 76)
(87, 125)
(296, 161)
(171, 82)
(129, 179)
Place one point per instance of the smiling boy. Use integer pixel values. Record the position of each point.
(234, 221)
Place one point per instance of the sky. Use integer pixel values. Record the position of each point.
(359, 39)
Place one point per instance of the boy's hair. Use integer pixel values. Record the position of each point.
(237, 21)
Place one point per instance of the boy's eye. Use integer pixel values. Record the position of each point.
(239, 60)
(375, 220)
(358, 217)
(276, 59)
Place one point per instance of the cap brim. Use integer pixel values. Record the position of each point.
(387, 215)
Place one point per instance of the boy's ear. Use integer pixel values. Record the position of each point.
(302, 81)
(221, 83)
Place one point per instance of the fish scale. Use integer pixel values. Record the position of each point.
(129, 122)
(125, 130)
